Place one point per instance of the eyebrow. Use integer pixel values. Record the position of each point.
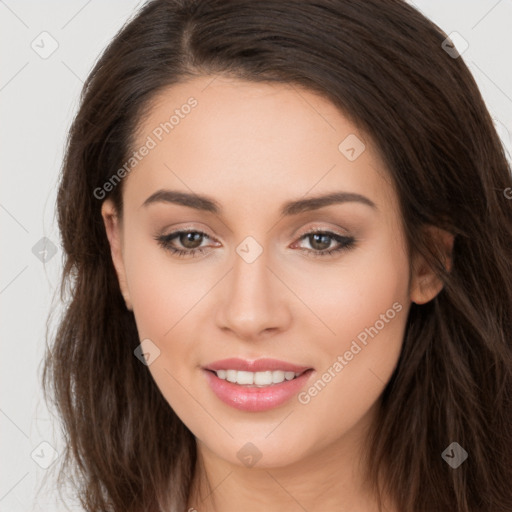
(208, 204)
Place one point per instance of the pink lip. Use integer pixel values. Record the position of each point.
(252, 398)
(260, 365)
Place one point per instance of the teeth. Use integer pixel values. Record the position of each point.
(277, 376)
(245, 378)
(263, 378)
(259, 379)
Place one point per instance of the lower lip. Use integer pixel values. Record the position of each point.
(254, 399)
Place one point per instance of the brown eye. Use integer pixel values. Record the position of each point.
(319, 241)
(190, 239)
(189, 242)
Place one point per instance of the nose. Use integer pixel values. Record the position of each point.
(253, 301)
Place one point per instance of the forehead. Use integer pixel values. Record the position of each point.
(246, 141)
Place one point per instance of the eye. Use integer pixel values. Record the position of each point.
(191, 241)
(320, 241)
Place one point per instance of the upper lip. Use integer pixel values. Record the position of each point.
(259, 365)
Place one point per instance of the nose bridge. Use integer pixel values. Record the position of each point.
(249, 284)
(250, 272)
(252, 303)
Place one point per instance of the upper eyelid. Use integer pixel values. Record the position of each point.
(300, 235)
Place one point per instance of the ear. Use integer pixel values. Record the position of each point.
(113, 227)
(425, 284)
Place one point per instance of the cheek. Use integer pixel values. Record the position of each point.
(163, 297)
(162, 291)
(349, 295)
(365, 302)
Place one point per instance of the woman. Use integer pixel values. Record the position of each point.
(288, 247)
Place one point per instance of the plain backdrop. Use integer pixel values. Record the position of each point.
(47, 50)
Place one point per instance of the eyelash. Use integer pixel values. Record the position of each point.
(344, 241)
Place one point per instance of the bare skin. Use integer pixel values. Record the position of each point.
(253, 147)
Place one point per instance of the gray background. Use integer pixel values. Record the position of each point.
(38, 97)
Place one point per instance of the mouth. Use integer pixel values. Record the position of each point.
(256, 379)
(256, 386)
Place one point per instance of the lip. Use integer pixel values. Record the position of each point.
(253, 398)
(259, 365)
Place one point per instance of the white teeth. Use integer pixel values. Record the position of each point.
(230, 375)
(259, 379)
(277, 376)
(245, 378)
(263, 378)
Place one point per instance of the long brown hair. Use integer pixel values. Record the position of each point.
(383, 64)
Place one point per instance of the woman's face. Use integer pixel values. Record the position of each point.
(252, 161)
